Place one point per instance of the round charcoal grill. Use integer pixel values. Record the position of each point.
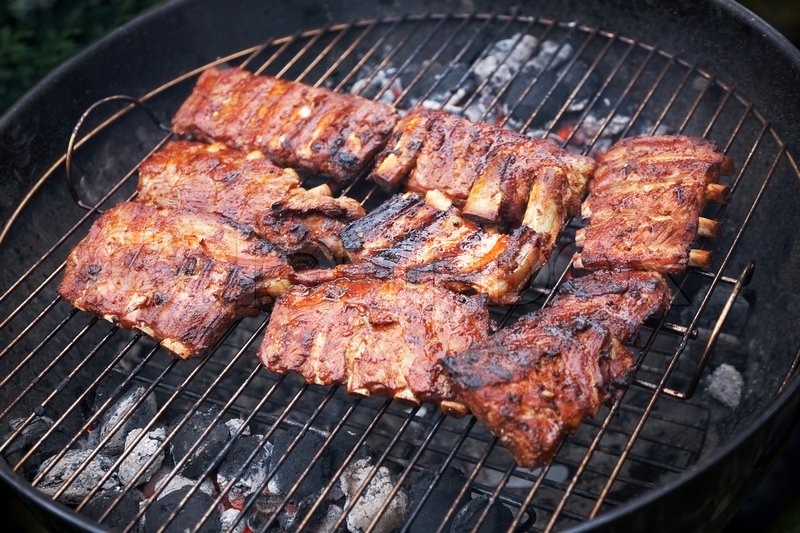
(709, 371)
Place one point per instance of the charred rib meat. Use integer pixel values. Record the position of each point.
(181, 277)
(645, 202)
(535, 381)
(486, 170)
(379, 337)
(247, 188)
(409, 239)
(293, 124)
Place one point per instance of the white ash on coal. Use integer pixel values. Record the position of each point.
(504, 59)
(209, 447)
(187, 518)
(179, 482)
(136, 456)
(228, 517)
(725, 385)
(372, 498)
(499, 518)
(434, 508)
(122, 513)
(551, 55)
(590, 127)
(88, 478)
(266, 514)
(255, 473)
(453, 82)
(369, 87)
(292, 466)
(234, 424)
(328, 522)
(122, 417)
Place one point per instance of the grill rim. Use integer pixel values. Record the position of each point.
(787, 399)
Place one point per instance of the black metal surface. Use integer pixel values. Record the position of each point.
(715, 468)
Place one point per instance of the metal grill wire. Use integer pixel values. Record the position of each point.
(597, 468)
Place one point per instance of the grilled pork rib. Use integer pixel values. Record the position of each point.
(409, 239)
(486, 170)
(181, 277)
(379, 337)
(535, 381)
(291, 123)
(247, 188)
(645, 202)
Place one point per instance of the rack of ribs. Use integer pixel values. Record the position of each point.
(293, 124)
(181, 277)
(408, 238)
(645, 202)
(383, 337)
(247, 188)
(485, 170)
(535, 381)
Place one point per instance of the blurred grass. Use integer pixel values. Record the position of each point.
(38, 35)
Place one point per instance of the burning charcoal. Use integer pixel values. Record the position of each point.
(725, 385)
(234, 424)
(372, 498)
(228, 518)
(498, 66)
(123, 512)
(499, 518)
(262, 514)
(341, 446)
(254, 475)
(189, 434)
(27, 437)
(443, 496)
(447, 88)
(180, 482)
(32, 432)
(263, 508)
(590, 126)
(328, 522)
(298, 460)
(107, 388)
(83, 483)
(550, 55)
(370, 87)
(121, 410)
(140, 454)
(186, 520)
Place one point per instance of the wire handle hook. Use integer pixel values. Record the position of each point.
(73, 190)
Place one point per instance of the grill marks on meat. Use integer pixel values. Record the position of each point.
(249, 189)
(384, 337)
(535, 381)
(645, 202)
(409, 239)
(181, 277)
(293, 124)
(486, 170)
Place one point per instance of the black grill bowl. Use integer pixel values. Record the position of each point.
(668, 456)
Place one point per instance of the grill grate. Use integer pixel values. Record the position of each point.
(592, 86)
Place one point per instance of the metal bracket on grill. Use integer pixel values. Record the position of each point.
(738, 284)
(71, 145)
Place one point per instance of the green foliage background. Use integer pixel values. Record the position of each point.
(38, 35)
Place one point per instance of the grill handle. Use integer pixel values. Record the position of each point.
(74, 143)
